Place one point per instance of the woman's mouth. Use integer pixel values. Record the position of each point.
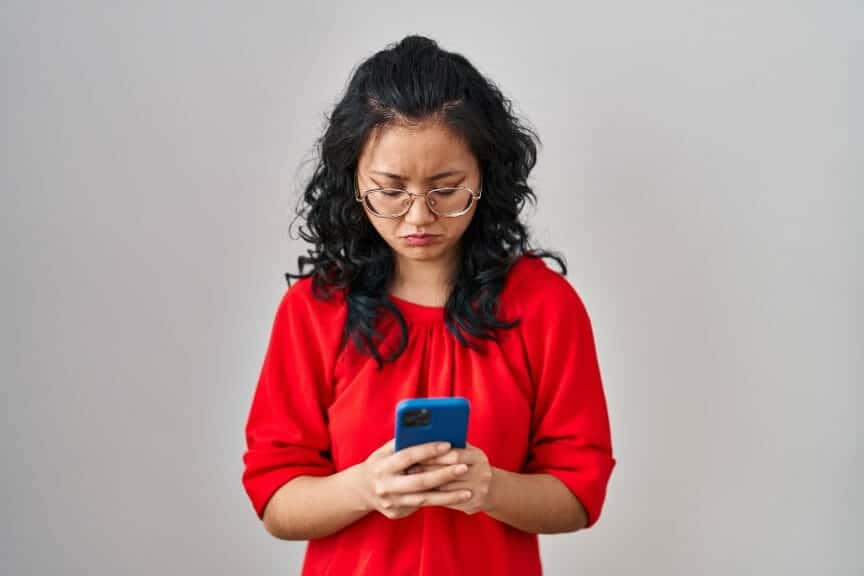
(420, 239)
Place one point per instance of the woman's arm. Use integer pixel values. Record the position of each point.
(534, 502)
(310, 507)
(538, 503)
(314, 506)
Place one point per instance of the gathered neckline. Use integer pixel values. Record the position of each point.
(410, 303)
(417, 311)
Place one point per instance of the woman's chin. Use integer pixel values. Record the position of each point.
(428, 252)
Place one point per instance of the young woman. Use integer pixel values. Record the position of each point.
(422, 283)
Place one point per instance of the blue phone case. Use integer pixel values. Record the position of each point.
(421, 420)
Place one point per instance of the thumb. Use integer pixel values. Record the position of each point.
(387, 448)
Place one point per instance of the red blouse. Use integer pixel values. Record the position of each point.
(537, 406)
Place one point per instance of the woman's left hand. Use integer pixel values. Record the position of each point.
(477, 479)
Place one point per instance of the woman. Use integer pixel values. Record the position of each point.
(422, 284)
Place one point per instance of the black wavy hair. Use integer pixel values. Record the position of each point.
(411, 81)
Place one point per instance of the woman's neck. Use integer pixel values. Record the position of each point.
(424, 282)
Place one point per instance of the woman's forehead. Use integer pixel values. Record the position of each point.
(424, 151)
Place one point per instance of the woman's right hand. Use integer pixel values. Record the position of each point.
(388, 489)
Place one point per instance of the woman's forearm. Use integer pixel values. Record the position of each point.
(313, 507)
(537, 503)
(310, 507)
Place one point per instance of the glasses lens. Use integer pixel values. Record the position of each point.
(447, 201)
(388, 202)
(395, 202)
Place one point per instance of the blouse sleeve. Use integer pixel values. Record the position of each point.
(570, 436)
(286, 429)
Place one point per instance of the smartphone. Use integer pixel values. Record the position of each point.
(441, 419)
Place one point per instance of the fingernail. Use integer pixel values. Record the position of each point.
(443, 446)
(466, 495)
(460, 468)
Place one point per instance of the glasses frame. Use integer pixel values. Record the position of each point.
(361, 197)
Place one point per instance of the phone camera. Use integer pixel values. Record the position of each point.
(418, 417)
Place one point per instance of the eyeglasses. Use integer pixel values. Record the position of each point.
(395, 202)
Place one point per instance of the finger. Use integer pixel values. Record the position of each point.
(402, 459)
(454, 456)
(418, 468)
(426, 467)
(434, 498)
(453, 486)
(424, 481)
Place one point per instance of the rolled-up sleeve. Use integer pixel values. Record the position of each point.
(570, 435)
(286, 428)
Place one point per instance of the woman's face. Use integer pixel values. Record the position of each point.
(418, 159)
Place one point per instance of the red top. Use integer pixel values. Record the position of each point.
(537, 406)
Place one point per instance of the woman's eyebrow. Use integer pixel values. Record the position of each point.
(435, 177)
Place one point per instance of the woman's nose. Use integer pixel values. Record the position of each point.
(419, 213)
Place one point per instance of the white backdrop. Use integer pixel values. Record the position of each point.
(700, 169)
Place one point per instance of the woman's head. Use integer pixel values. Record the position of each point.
(416, 110)
(419, 158)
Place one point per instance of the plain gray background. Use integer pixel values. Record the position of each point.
(701, 169)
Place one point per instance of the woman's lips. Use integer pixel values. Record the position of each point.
(420, 239)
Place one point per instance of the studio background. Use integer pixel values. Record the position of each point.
(700, 169)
